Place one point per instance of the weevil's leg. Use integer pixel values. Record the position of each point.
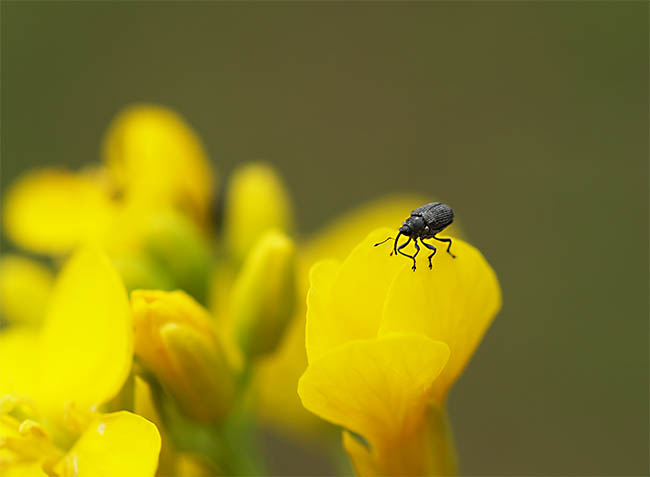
(417, 250)
(395, 243)
(412, 257)
(430, 247)
(448, 240)
(399, 249)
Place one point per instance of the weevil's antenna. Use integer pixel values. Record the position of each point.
(383, 241)
(394, 245)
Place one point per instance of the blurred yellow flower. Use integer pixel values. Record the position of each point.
(55, 379)
(51, 211)
(384, 346)
(159, 161)
(154, 163)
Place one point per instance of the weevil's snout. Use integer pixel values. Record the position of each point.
(405, 230)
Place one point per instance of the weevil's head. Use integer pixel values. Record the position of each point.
(405, 230)
(412, 226)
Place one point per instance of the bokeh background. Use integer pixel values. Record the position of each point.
(530, 119)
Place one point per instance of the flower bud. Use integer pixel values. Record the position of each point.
(139, 271)
(175, 338)
(264, 295)
(256, 201)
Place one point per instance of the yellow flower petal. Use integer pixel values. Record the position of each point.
(26, 469)
(25, 287)
(143, 402)
(143, 405)
(52, 211)
(18, 355)
(454, 302)
(87, 340)
(159, 160)
(356, 296)
(118, 444)
(320, 334)
(376, 388)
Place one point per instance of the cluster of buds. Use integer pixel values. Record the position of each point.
(211, 293)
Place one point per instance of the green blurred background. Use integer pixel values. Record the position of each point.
(530, 119)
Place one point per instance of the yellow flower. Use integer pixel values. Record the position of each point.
(276, 376)
(54, 380)
(385, 344)
(157, 248)
(176, 339)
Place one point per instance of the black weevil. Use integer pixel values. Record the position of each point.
(424, 223)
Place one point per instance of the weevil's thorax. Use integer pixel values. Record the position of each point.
(435, 216)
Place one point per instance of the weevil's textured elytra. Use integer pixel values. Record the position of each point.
(424, 223)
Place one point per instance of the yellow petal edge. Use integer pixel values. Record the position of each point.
(377, 388)
(117, 444)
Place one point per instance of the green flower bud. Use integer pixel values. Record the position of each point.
(139, 271)
(177, 245)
